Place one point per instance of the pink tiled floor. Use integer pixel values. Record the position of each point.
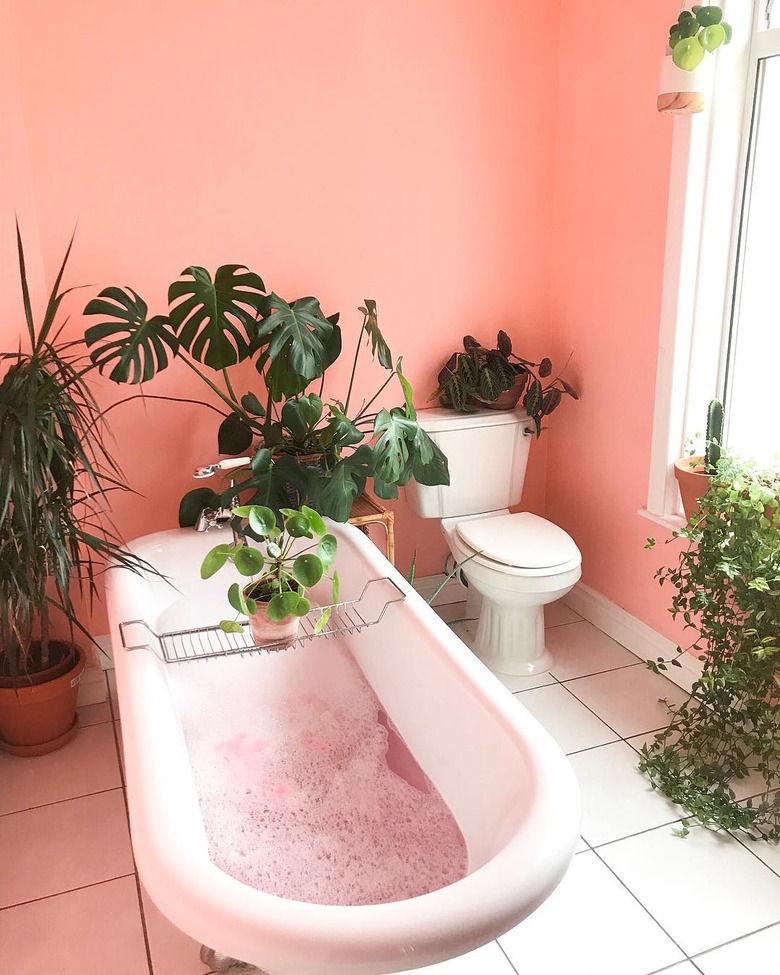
(637, 900)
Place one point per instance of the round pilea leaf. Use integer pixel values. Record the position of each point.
(236, 598)
(711, 38)
(273, 550)
(297, 525)
(231, 626)
(326, 550)
(688, 54)
(214, 560)
(707, 16)
(261, 519)
(308, 570)
(315, 520)
(727, 30)
(282, 605)
(248, 561)
(303, 607)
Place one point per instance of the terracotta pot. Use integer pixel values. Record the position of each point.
(38, 715)
(693, 482)
(507, 400)
(267, 631)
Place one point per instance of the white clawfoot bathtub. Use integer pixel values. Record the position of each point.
(509, 787)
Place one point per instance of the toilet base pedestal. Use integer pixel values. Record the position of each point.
(510, 640)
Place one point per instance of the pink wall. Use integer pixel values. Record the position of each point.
(398, 151)
(414, 153)
(611, 179)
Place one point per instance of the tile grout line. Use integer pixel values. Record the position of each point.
(741, 937)
(645, 909)
(56, 802)
(70, 890)
(509, 960)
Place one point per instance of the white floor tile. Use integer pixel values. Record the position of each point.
(704, 890)
(450, 612)
(617, 800)
(487, 960)
(628, 699)
(558, 614)
(590, 925)
(580, 649)
(572, 725)
(755, 955)
(172, 951)
(94, 714)
(684, 968)
(768, 853)
(519, 684)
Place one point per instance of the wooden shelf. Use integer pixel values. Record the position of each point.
(368, 511)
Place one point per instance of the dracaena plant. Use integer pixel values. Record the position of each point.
(307, 449)
(280, 570)
(479, 375)
(726, 590)
(55, 479)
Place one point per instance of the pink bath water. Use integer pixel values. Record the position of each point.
(306, 789)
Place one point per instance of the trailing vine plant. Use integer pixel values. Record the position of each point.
(727, 591)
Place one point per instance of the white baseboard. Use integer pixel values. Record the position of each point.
(452, 592)
(633, 634)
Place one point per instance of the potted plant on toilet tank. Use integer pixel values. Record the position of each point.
(498, 378)
(281, 568)
(55, 477)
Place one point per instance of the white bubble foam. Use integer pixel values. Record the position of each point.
(290, 755)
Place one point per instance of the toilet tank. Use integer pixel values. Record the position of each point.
(487, 452)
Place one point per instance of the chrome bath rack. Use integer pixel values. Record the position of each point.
(203, 642)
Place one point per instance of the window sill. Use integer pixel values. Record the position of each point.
(672, 523)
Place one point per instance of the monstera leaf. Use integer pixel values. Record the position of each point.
(134, 347)
(214, 319)
(301, 344)
(403, 450)
(379, 348)
(333, 496)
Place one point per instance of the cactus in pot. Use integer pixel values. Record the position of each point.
(694, 473)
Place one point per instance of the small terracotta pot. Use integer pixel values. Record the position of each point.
(507, 400)
(38, 716)
(268, 631)
(693, 482)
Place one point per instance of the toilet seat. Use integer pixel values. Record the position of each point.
(520, 541)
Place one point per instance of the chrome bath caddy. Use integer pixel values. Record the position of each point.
(203, 642)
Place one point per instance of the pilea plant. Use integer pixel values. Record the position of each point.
(695, 33)
(280, 571)
(727, 591)
(480, 376)
(307, 450)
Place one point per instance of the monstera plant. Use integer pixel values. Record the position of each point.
(304, 449)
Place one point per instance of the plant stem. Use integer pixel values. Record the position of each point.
(354, 363)
(374, 397)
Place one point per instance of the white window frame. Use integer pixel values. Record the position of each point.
(708, 163)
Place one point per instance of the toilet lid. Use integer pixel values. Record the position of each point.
(522, 540)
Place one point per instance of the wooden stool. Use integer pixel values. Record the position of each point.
(368, 511)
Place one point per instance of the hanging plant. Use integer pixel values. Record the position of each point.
(727, 590)
(695, 33)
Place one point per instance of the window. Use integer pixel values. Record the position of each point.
(720, 331)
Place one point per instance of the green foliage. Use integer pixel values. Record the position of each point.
(55, 480)
(284, 570)
(727, 591)
(309, 451)
(714, 436)
(696, 32)
(478, 376)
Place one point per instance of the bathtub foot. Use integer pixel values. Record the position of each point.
(218, 962)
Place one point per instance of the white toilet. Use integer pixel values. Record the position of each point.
(517, 563)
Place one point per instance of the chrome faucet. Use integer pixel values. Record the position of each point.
(219, 517)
